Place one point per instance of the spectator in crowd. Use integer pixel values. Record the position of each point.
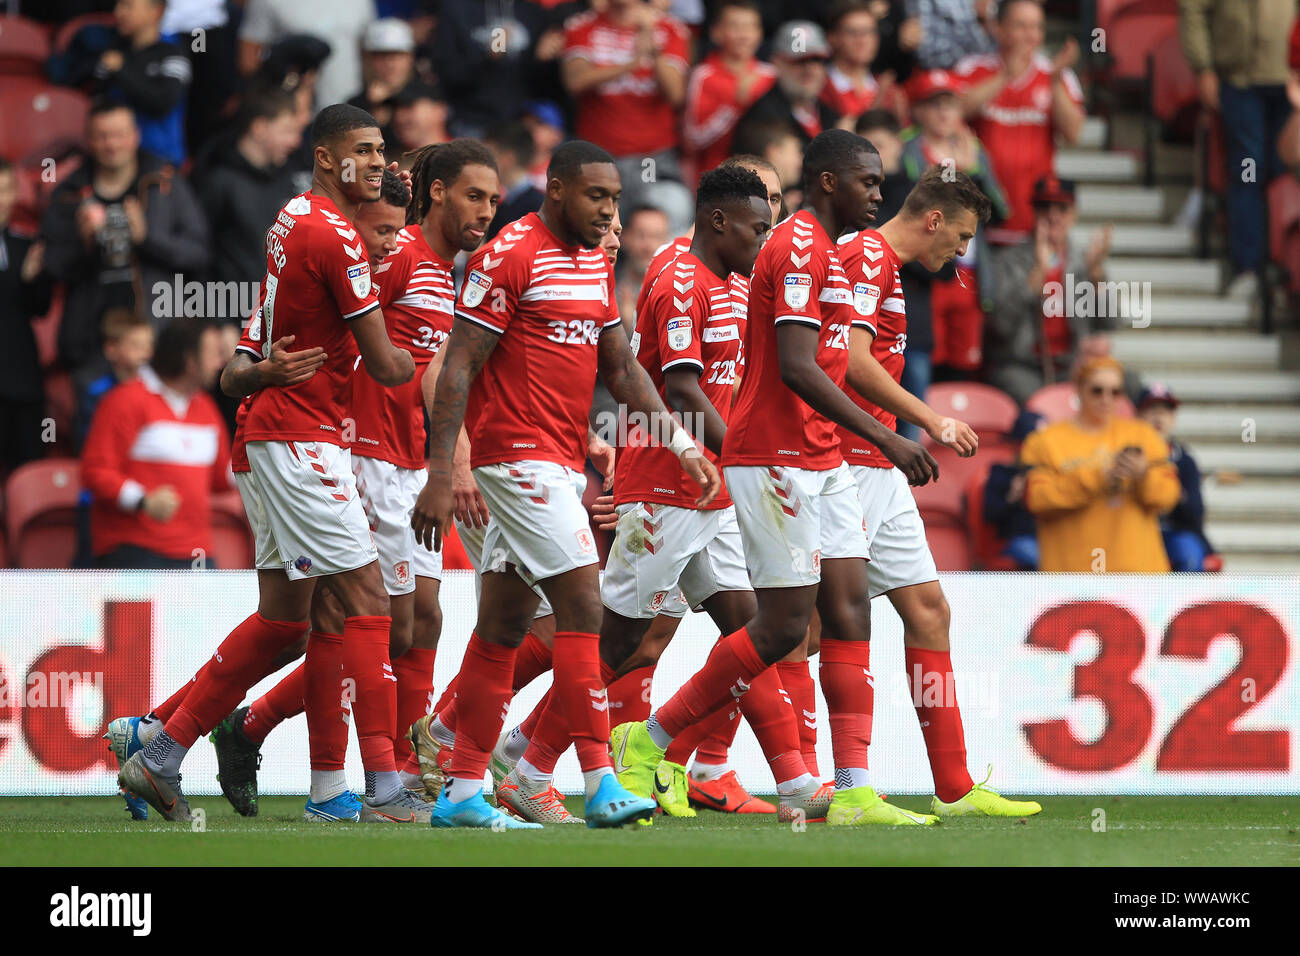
(150, 76)
(1098, 483)
(724, 84)
(776, 142)
(513, 147)
(799, 53)
(1019, 102)
(645, 232)
(952, 30)
(292, 66)
(202, 29)
(1004, 500)
(119, 225)
(1033, 337)
(900, 34)
(851, 88)
(128, 347)
(24, 295)
(626, 68)
(957, 291)
(244, 187)
(340, 23)
(545, 122)
(1183, 528)
(387, 66)
(419, 118)
(156, 451)
(1288, 143)
(1239, 53)
(491, 56)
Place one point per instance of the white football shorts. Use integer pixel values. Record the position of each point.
(388, 494)
(900, 554)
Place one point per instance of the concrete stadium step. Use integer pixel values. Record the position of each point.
(1252, 562)
(1227, 387)
(1169, 310)
(1258, 499)
(1105, 203)
(1141, 239)
(1227, 423)
(1167, 274)
(1158, 347)
(1254, 536)
(1093, 134)
(1091, 166)
(1253, 460)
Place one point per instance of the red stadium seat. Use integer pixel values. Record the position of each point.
(948, 495)
(1174, 96)
(1134, 33)
(988, 546)
(68, 30)
(1283, 215)
(41, 513)
(1055, 402)
(948, 542)
(988, 410)
(38, 119)
(24, 47)
(1108, 9)
(232, 538)
(61, 407)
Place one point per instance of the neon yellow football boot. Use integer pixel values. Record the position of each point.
(671, 789)
(636, 758)
(983, 800)
(862, 806)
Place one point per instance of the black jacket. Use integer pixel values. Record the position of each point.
(20, 302)
(176, 241)
(774, 107)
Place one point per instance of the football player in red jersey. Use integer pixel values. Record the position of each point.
(800, 520)
(938, 218)
(301, 485)
(535, 323)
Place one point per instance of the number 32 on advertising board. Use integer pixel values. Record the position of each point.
(1202, 738)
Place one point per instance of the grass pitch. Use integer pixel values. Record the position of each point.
(1139, 831)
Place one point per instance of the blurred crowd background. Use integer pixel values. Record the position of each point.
(146, 146)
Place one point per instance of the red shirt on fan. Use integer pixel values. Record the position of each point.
(144, 436)
(844, 98)
(317, 277)
(714, 107)
(550, 303)
(1017, 131)
(797, 278)
(627, 115)
(871, 266)
(418, 296)
(689, 322)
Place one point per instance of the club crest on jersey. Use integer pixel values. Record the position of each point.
(866, 297)
(657, 601)
(679, 333)
(798, 287)
(476, 287)
(402, 573)
(586, 543)
(359, 276)
(303, 563)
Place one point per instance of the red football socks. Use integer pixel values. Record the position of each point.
(277, 705)
(629, 696)
(846, 682)
(934, 695)
(414, 673)
(532, 660)
(725, 677)
(244, 658)
(328, 708)
(484, 694)
(373, 688)
(797, 679)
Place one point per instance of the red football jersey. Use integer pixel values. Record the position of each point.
(797, 278)
(550, 303)
(689, 322)
(871, 266)
(418, 296)
(1017, 131)
(663, 256)
(317, 278)
(250, 343)
(627, 115)
(714, 107)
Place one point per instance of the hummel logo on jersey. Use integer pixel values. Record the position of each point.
(598, 699)
(800, 261)
(801, 243)
(739, 689)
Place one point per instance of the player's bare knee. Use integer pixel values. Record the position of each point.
(427, 628)
(926, 625)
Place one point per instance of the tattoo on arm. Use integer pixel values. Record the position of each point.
(241, 376)
(467, 351)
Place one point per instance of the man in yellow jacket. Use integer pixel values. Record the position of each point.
(1098, 483)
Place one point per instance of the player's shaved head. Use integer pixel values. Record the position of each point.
(334, 121)
(567, 161)
(833, 151)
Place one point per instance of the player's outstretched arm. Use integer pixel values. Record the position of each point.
(244, 376)
(796, 345)
(464, 356)
(868, 378)
(628, 382)
(385, 362)
(684, 396)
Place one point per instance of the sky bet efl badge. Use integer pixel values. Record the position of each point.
(359, 276)
(679, 333)
(798, 286)
(476, 286)
(865, 298)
